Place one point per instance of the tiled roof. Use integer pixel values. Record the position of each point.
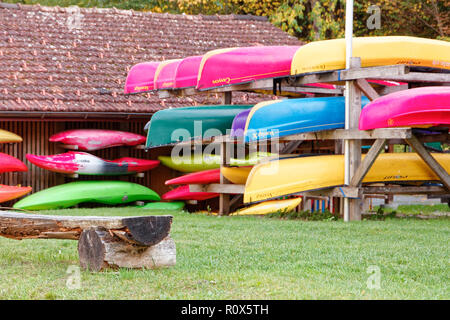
(72, 59)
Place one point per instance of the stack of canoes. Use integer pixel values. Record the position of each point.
(83, 163)
(417, 108)
(11, 164)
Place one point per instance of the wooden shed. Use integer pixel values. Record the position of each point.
(64, 68)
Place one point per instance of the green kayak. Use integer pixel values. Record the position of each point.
(170, 126)
(73, 193)
(197, 163)
(174, 206)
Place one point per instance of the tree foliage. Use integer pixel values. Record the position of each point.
(307, 19)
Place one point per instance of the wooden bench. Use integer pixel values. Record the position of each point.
(103, 242)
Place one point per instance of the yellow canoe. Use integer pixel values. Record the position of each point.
(9, 137)
(268, 207)
(237, 175)
(374, 51)
(294, 175)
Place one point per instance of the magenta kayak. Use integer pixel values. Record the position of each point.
(183, 193)
(96, 139)
(201, 177)
(187, 72)
(165, 76)
(140, 77)
(427, 106)
(87, 164)
(230, 66)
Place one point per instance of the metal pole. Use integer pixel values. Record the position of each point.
(348, 55)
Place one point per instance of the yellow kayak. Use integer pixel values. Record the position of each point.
(9, 137)
(294, 175)
(268, 207)
(374, 51)
(237, 175)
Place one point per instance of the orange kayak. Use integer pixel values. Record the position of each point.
(12, 192)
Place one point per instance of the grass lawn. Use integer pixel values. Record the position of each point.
(248, 258)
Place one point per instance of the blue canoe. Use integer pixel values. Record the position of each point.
(281, 118)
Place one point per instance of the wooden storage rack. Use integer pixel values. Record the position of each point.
(358, 84)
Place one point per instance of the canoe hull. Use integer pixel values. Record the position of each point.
(87, 164)
(187, 72)
(96, 139)
(183, 193)
(373, 51)
(237, 175)
(269, 207)
(286, 117)
(171, 126)
(202, 177)
(224, 67)
(11, 164)
(140, 78)
(73, 193)
(427, 106)
(165, 74)
(276, 178)
(9, 137)
(197, 163)
(8, 193)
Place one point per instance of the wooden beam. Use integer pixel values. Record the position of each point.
(367, 89)
(218, 188)
(367, 162)
(338, 134)
(404, 190)
(144, 231)
(430, 161)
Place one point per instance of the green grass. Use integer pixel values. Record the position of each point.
(248, 258)
(415, 209)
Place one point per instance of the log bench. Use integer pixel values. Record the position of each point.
(103, 242)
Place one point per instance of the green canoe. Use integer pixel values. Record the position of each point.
(175, 205)
(170, 126)
(73, 193)
(197, 163)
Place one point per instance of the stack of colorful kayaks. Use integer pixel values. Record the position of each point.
(11, 164)
(422, 107)
(82, 163)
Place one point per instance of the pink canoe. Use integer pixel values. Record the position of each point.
(87, 164)
(96, 139)
(201, 177)
(183, 193)
(141, 77)
(427, 106)
(165, 74)
(230, 66)
(187, 72)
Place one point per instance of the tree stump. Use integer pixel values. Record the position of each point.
(99, 249)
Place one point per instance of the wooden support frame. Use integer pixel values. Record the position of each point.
(429, 160)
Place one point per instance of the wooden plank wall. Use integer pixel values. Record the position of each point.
(35, 136)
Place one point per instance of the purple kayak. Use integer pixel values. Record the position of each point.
(187, 72)
(141, 77)
(238, 125)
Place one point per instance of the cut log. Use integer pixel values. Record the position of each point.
(145, 231)
(98, 249)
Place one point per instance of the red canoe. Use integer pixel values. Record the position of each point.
(426, 106)
(87, 164)
(183, 193)
(11, 164)
(10, 192)
(201, 177)
(96, 139)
